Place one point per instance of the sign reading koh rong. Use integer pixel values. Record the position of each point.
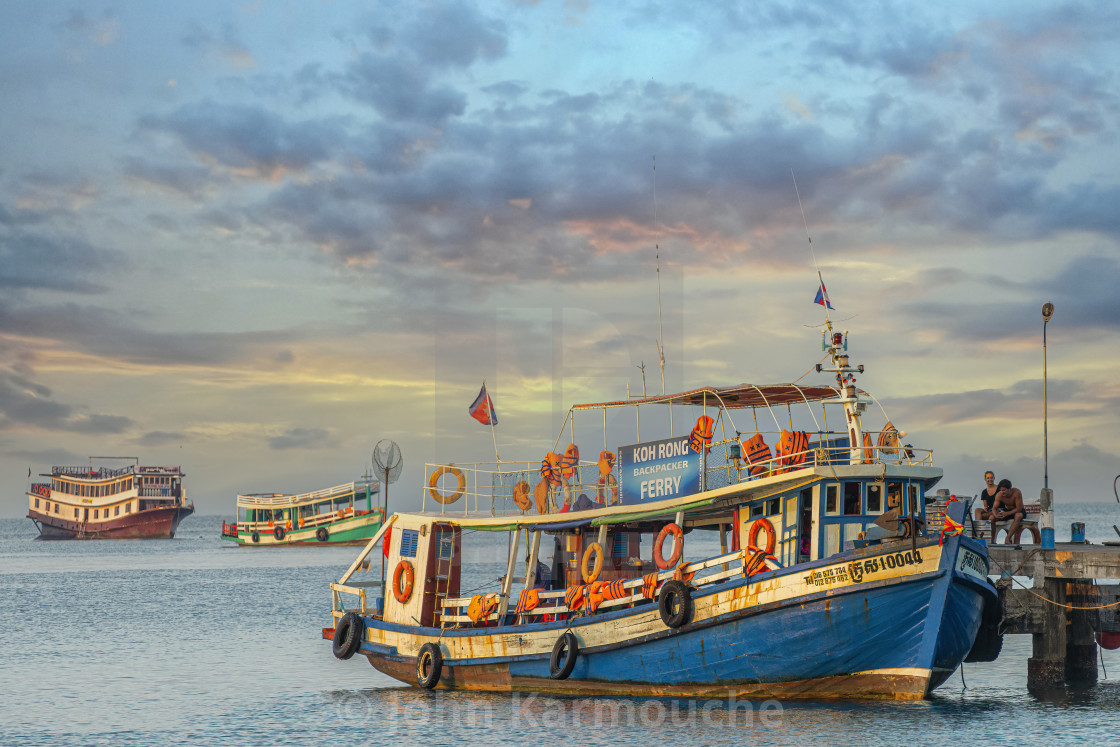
(658, 470)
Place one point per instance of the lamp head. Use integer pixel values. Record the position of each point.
(1047, 311)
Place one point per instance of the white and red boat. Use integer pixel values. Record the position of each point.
(107, 502)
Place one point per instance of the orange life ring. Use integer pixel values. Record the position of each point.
(433, 484)
(521, 495)
(593, 549)
(678, 546)
(403, 593)
(771, 535)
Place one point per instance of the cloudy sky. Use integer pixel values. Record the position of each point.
(253, 239)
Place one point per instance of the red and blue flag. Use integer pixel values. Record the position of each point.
(482, 409)
(822, 297)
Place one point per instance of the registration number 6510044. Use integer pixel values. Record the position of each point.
(972, 563)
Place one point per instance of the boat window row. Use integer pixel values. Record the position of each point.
(92, 490)
(329, 508)
(98, 513)
(159, 486)
(851, 508)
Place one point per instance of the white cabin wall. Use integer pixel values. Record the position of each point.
(409, 612)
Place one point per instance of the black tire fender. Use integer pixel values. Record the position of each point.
(256, 537)
(322, 534)
(674, 602)
(989, 642)
(278, 533)
(429, 666)
(348, 635)
(564, 654)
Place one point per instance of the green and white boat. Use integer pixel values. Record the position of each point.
(346, 514)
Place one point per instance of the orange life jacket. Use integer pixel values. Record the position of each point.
(791, 449)
(569, 463)
(550, 469)
(527, 601)
(606, 464)
(757, 455)
(701, 434)
(574, 596)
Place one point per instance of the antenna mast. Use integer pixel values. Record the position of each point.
(805, 223)
(657, 249)
(660, 327)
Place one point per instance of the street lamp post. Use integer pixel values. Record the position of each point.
(1046, 499)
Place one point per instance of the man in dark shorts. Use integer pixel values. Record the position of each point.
(1008, 506)
(988, 496)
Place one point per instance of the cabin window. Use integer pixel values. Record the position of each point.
(773, 507)
(756, 510)
(409, 539)
(852, 531)
(96, 513)
(128, 507)
(36, 503)
(75, 513)
(875, 498)
(116, 510)
(831, 504)
(852, 499)
(831, 539)
(894, 496)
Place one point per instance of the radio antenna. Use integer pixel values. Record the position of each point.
(660, 326)
(812, 253)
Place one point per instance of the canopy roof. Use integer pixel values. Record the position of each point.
(731, 397)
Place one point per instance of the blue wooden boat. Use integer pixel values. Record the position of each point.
(833, 577)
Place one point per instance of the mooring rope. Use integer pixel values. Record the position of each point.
(1051, 601)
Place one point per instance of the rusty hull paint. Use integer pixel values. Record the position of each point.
(496, 678)
(152, 523)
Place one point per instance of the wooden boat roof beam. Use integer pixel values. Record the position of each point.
(274, 500)
(740, 396)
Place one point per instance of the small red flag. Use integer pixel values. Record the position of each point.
(482, 409)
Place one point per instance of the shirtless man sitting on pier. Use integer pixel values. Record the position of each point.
(1008, 506)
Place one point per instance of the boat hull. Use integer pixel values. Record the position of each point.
(155, 523)
(896, 635)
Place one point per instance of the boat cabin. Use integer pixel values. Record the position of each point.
(262, 512)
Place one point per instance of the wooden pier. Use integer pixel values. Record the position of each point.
(1062, 609)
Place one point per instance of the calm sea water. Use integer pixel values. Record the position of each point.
(191, 641)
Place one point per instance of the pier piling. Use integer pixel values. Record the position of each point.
(1063, 608)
